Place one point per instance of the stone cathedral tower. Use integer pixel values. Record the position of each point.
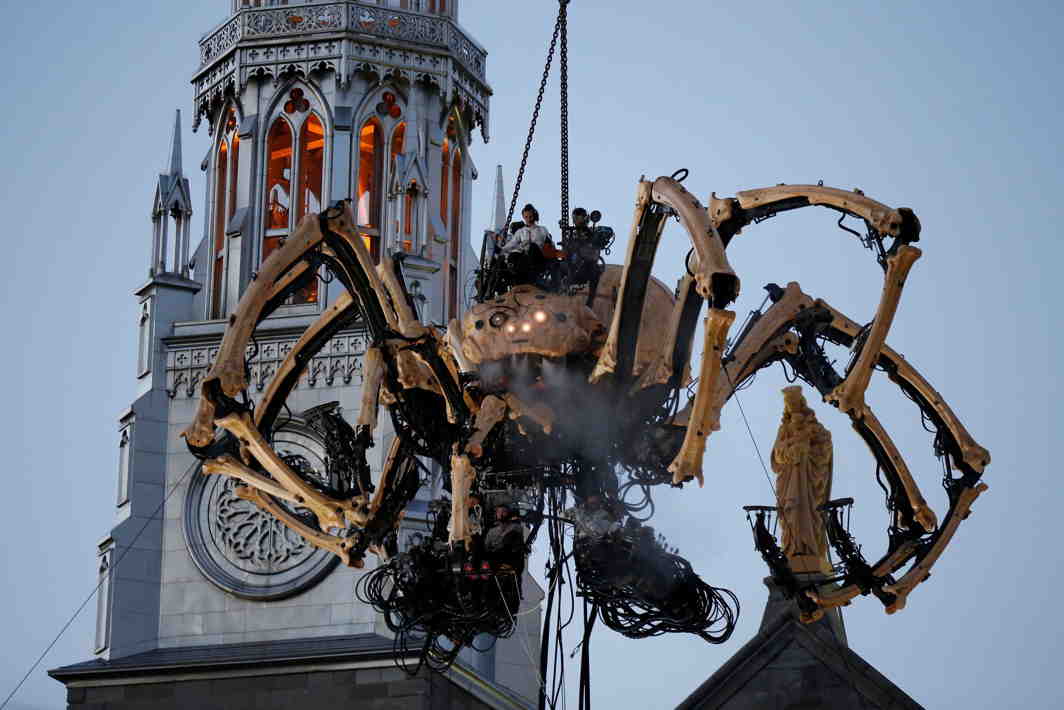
(204, 601)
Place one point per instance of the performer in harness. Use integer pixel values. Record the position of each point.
(522, 253)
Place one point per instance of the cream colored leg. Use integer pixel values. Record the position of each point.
(849, 395)
(462, 476)
(704, 413)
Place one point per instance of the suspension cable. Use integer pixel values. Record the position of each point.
(559, 30)
(563, 64)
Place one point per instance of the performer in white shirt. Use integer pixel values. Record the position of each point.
(522, 253)
(531, 233)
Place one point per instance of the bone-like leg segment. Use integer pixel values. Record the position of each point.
(228, 367)
(289, 371)
(454, 344)
(922, 569)
(711, 260)
(660, 370)
(538, 412)
(285, 281)
(688, 463)
(229, 466)
(849, 395)
(409, 325)
(751, 352)
(337, 545)
(372, 375)
(903, 372)
(330, 512)
(921, 511)
(462, 476)
(827, 598)
(607, 362)
(492, 411)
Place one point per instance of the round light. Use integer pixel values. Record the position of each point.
(540, 316)
(510, 328)
(497, 319)
(525, 327)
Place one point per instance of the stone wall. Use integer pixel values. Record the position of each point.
(372, 689)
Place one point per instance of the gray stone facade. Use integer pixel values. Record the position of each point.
(196, 571)
(345, 671)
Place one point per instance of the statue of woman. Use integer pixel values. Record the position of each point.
(802, 461)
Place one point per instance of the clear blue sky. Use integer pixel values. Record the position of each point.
(953, 109)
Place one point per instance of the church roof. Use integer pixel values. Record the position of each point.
(317, 653)
(232, 655)
(790, 665)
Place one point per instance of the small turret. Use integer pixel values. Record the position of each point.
(173, 203)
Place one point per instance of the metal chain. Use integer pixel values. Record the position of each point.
(563, 219)
(558, 25)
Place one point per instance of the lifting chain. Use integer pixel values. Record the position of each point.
(559, 31)
(563, 218)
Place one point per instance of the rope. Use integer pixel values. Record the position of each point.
(96, 589)
(735, 393)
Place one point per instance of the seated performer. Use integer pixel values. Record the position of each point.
(583, 251)
(522, 252)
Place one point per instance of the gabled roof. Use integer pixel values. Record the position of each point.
(408, 167)
(296, 655)
(171, 189)
(232, 655)
(789, 664)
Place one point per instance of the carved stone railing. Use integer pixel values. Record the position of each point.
(317, 18)
(338, 364)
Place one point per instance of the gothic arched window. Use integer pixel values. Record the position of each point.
(369, 183)
(311, 166)
(278, 185)
(226, 168)
(287, 202)
(234, 169)
(220, 212)
(456, 233)
(405, 231)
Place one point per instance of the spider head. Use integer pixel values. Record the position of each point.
(527, 321)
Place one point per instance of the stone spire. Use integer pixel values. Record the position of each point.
(499, 201)
(174, 167)
(172, 203)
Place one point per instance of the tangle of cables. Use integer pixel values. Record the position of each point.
(435, 611)
(641, 589)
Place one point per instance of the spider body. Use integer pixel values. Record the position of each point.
(538, 391)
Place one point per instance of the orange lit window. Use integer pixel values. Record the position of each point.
(311, 159)
(234, 169)
(278, 185)
(221, 172)
(408, 216)
(398, 135)
(311, 165)
(368, 190)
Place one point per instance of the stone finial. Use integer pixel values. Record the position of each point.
(802, 462)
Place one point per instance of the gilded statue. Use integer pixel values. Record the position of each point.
(802, 462)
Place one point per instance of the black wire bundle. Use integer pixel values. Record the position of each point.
(642, 590)
(434, 612)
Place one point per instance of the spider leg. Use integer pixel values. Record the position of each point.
(462, 476)
(849, 395)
